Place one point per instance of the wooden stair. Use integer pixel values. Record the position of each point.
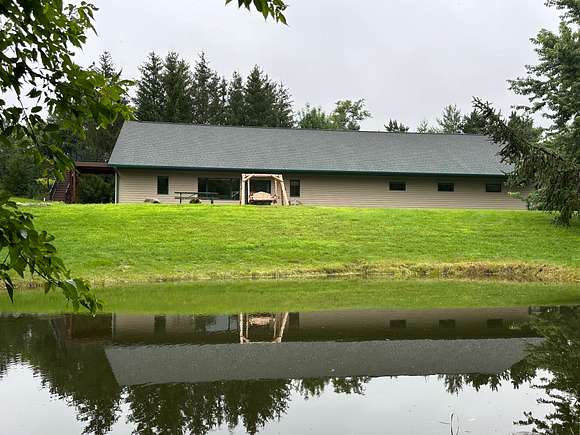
(61, 190)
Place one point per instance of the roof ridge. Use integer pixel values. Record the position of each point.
(328, 130)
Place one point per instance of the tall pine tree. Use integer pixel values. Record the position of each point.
(150, 99)
(266, 103)
(203, 78)
(395, 126)
(283, 115)
(235, 111)
(258, 98)
(218, 88)
(474, 123)
(176, 78)
(450, 121)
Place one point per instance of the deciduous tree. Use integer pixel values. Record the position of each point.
(313, 117)
(38, 40)
(348, 114)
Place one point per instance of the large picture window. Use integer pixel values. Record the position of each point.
(222, 188)
(163, 185)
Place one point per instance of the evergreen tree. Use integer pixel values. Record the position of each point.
(450, 121)
(394, 126)
(474, 123)
(550, 163)
(423, 126)
(259, 99)
(106, 66)
(150, 100)
(313, 117)
(204, 83)
(176, 78)
(100, 142)
(283, 115)
(218, 89)
(235, 110)
(347, 114)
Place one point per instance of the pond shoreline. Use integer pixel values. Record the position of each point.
(471, 271)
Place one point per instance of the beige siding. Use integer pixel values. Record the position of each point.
(356, 191)
(136, 185)
(373, 191)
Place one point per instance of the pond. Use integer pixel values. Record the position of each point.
(440, 371)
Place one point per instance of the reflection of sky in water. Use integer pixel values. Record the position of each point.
(405, 404)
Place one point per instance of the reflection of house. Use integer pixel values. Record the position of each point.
(159, 364)
(159, 349)
(325, 325)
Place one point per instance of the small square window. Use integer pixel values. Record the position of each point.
(493, 187)
(446, 187)
(399, 186)
(295, 188)
(494, 323)
(398, 324)
(447, 323)
(162, 185)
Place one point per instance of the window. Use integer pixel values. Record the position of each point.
(220, 188)
(447, 323)
(493, 187)
(398, 186)
(398, 324)
(494, 323)
(162, 185)
(295, 188)
(446, 187)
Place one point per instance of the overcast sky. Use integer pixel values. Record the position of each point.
(406, 58)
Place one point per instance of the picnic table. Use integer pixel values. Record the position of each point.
(188, 196)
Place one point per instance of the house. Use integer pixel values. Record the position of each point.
(319, 167)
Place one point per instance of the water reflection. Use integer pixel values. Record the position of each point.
(196, 374)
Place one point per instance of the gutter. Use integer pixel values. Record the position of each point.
(305, 171)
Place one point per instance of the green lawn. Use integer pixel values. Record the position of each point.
(136, 243)
(217, 297)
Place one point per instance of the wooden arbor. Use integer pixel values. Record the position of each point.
(277, 322)
(278, 185)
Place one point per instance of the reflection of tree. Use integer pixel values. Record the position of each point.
(77, 371)
(314, 387)
(519, 373)
(199, 408)
(560, 354)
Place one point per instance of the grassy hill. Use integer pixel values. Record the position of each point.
(111, 244)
